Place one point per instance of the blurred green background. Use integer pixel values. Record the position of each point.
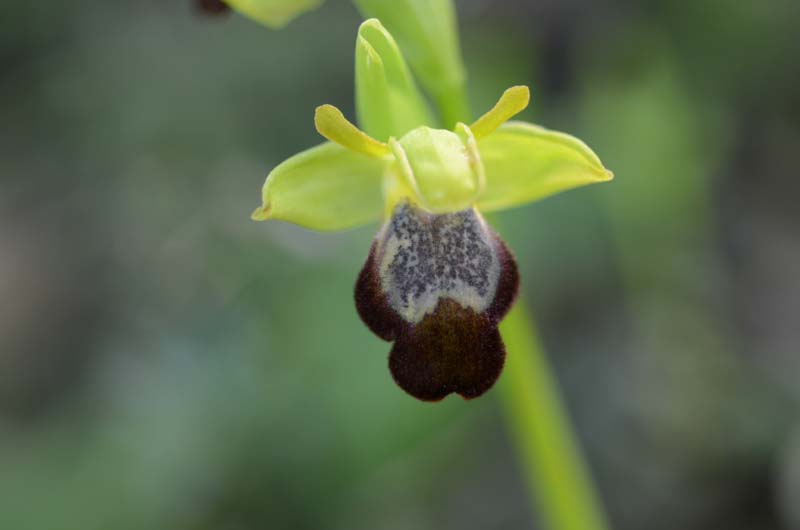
(166, 363)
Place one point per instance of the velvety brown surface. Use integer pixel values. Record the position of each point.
(453, 349)
(371, 303)
(507, 284)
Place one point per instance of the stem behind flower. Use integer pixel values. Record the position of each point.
(551, 460)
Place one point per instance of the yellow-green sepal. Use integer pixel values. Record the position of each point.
(388, 102)
(273, 13)
(426, 32)
(326, 187)
(525, 162)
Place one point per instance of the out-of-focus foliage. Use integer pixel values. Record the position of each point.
(167, 363)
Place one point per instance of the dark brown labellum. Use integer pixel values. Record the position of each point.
(438, 286)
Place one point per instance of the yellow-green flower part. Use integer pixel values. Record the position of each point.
(492, 164)
(273, 13)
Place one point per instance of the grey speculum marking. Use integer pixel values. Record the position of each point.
(425, 257)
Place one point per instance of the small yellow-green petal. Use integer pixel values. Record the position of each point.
(526, 162)
(512, 102)
(326, 187)
(388, 102)
(273, 13)
(332, 124)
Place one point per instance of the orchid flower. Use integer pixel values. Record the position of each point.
(437, 279)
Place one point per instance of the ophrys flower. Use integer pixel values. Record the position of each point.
(437, 280)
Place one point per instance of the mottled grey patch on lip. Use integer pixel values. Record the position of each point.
(424, 257)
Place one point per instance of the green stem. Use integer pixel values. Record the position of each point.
(552, 462)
